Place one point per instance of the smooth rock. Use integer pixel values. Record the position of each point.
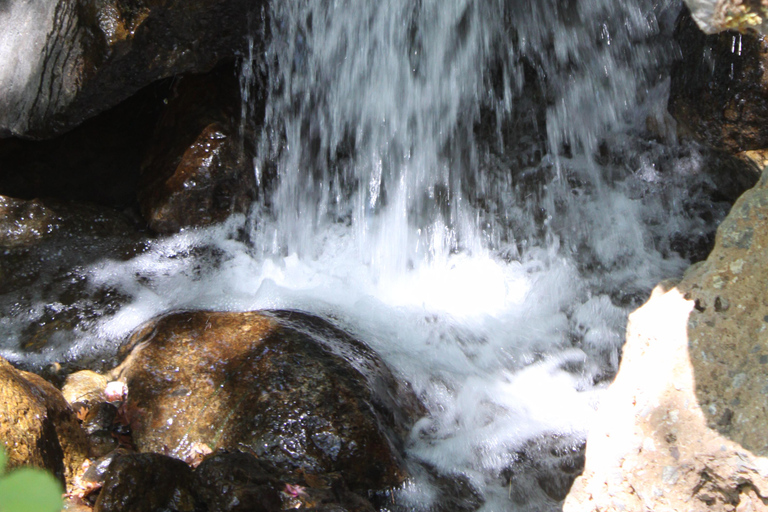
(286, 387)
(37, 426)
(717, 15)
(85, 387)
(147, 482)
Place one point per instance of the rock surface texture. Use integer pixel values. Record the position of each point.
(284, 386)
(719, 89)
(683, 427)
(37, 426)
(718, 15)
(67, 60)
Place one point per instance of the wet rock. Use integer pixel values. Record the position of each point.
(544, 470)
(47, 298)
(37, 426)
(84, 387)
(719, 89)
(286, 387)
(718, 15)
(196, 171)
(147, 482)
(78, 58)
(230, 482)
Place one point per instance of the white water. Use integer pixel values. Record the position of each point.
(498, 289)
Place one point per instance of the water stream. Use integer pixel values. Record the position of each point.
(479, 190)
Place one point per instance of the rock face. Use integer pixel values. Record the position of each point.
(718, 15)
(37, 426)
(719, 90)
(195, 172)
(683, 426)
(66, 60)
(284, 386)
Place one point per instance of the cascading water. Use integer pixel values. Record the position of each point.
(466, 186)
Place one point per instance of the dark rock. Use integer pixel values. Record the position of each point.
(46, 247)
(99, 161)
(196, 171)
(147, 482)
(99, 417)
(80, 57)
(37, 426)
(231, 482)
(719, 90)
(285, 386)
(548, 465)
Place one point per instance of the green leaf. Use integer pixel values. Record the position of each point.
(30, 490)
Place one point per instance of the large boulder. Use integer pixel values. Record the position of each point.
(719, 89)
(38, 427)
(67, 60)
(286, 387)
(684, 425)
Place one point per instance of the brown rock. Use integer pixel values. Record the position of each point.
(287, 387)
(85, 387)
(692, 437)
(195, 172)
(37, 426)
(147, 482)
(719, 90)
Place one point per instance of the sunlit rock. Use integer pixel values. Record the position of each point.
(285, 386)
(37, 426)
(66, 60)
(718, 15)
(195, 171)
(683, 426)
(719, 89)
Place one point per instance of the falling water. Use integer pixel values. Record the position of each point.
(471, 188)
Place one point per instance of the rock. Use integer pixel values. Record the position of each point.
(84, 387)
(98, 161)
(37, 426)
(693, 436)
(230, 482)
(196, 171)
(719, 89)
(718, 15)
(286, 387)
(47, 298)
(147, 482)
(76, 58)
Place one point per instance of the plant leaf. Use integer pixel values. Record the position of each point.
(30, 490)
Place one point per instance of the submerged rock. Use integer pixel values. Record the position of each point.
(683, 426)
(37, 426)
(286, 387)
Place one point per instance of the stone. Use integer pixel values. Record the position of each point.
(37, 426)
(147, 482)
(693, 436)
(287, 387)
(196, 172)
(719, 89)
(76, 58)
(47, 300)
(84, 387)
(717, 15)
